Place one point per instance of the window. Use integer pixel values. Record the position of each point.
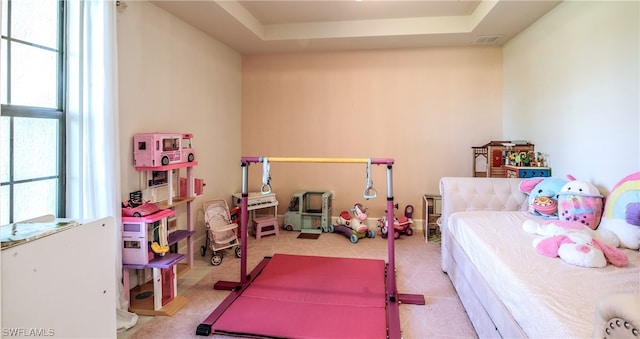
(32, 122)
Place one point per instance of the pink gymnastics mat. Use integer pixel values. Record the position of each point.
(310, 297)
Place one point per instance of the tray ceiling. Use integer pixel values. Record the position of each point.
(256, 27)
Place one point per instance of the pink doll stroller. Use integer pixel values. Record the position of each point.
(222, 230)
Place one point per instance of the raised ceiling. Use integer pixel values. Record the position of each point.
(255, 27)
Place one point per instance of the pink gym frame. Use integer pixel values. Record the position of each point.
(393, 297)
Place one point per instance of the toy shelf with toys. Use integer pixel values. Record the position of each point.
(159, 158)
(511, 159)
(166, 268)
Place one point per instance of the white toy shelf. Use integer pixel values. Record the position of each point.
(169, 267)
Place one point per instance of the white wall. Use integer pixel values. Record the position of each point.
(174, 78)
(571, 86)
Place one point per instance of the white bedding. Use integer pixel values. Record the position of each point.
(547, 297)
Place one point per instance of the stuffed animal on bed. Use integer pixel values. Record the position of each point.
(543, 195)
(576, 243)
(580, 201)
(622, 212)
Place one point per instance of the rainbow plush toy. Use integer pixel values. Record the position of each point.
(622, 212)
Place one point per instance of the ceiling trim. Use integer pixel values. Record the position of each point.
(237, 11)
(359, 28)
(482, 11)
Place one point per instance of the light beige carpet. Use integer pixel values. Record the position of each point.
(417, 267)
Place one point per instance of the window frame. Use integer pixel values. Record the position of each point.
(20, 111)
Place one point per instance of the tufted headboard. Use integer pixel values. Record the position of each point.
(478, 194)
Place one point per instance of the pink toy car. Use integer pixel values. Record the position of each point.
(138, 210)
(401, 225)
(162, 149)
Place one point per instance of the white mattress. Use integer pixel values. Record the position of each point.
(547, 297)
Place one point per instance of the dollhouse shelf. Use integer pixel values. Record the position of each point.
(158, 296)
(165, 261)
(163, 213)
(177, 201)
(178, 235)
(167, 167)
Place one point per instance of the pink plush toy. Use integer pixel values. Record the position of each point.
(580, 201)
(576, 243)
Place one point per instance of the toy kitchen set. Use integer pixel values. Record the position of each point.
(510, 159)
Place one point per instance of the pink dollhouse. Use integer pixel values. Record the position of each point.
(161, 149)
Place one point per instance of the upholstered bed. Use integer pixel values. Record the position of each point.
(511, 291)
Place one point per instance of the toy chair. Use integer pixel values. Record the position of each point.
(222, 232)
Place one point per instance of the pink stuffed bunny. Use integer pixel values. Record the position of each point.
(576, 243)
